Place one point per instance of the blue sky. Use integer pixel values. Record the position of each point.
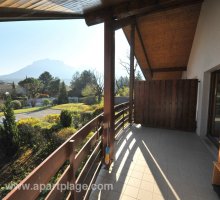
(70, 41)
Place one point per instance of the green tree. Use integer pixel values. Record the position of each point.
(138, 76)
(13, 91)
(10, 136)
(32, 87)
(120, 83)
(123, 92)
(79, 82)
(89, 90)
(54, 87)
(93, 90)
(63, 97)
(45, 79)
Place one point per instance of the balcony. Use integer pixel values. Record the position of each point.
(156, 164)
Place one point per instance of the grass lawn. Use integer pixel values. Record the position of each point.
(26, 110)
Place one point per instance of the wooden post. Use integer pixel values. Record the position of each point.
(131, 90)
(109, 82)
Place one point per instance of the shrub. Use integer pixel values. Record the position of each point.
(30, 121)
(43, 96)
(23, 100)
(77, 120)
(86, 117)
(46, 102)
(65, 133)
(52, 118)
(55, 102)
(27, 135)
(16, 104)
(2, 106)
(66, 118)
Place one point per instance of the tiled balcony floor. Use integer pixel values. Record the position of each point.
(156, 164)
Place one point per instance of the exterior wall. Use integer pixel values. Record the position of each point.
(205, 57)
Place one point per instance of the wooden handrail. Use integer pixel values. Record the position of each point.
(43, 173)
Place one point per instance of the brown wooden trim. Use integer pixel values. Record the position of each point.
(131, 87)
(86, 168)
(169, 69)
(56, 192)
(109, 83)
(135, 8)
(20, 14)
(144, 50)
(123, 22)
(85, 150)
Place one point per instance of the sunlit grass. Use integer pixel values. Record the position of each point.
(77, 107)
(26, 110)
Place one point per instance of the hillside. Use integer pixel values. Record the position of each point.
(55, 67)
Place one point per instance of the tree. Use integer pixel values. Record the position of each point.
(96, 88)
(126, 65)
(138, 76)
(13, 91)
(45, 79)
(89, 90)
(79, 82)
(120, 83)
(10, 132)
(54, 87)
(123, 92)
(63, 97)
(99, 86)
(32, 87)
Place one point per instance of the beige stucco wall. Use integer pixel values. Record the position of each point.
(205, 57)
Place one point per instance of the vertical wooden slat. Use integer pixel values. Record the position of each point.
(174, 107)
(145, 102)
(167, 104)
(163, 103)
(109, 81)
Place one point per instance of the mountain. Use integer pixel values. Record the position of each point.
(55, 67)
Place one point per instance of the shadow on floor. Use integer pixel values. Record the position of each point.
(158, 164)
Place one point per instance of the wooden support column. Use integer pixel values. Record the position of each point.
(131, 90)
(109, 82)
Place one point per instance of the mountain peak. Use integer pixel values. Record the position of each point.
(56, 68)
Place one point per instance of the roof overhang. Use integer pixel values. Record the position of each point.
(164, 34)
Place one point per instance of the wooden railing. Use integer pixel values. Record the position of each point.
(78, 160)
(121, 116)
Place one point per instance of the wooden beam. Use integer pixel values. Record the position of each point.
(20, 14)
(144, 51)
(123, 22)
(109, 82)
(135, 8)
(131, 88)
(169, 69)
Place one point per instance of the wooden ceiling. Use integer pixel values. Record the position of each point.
(167, 38)
(164, 28)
